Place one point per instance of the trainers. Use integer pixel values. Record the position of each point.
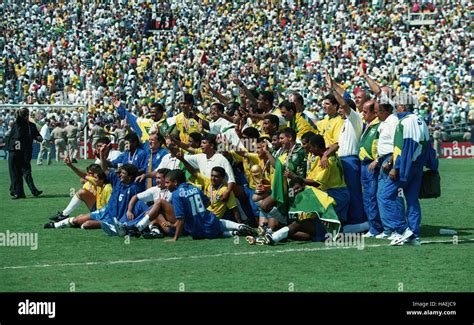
(37, 193)
(268, 239)
(245, 230)
(153, 235)
(382, 235)
(58, 216)
(119, 228)
(401, 238)
(133, 231)
(413, 242)
(49, 225)
(392, 236)
(255, 240)
(368, 234)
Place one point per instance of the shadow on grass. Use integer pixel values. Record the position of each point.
(49, 196)
(433, 231)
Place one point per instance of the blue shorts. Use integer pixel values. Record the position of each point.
(100, 214)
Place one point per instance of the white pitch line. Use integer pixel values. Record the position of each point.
(176, 258)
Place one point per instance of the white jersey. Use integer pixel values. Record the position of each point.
(205, 165)
(154, 194)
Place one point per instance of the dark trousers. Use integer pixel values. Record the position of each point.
(15, 167)
(26, 169)
(19, 165)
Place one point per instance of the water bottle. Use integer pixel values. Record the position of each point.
(447, 232)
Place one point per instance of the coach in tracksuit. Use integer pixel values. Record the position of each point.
(412, 151)
(369, 168)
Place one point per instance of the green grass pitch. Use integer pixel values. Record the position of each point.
(90, 261)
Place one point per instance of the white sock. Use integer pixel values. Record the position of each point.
(227, 234)
(73, 204)
(280, 234)
(142, 224)
(63, 223)
(230, 225)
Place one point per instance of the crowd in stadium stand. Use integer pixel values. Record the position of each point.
(69, 51)
(245, 101)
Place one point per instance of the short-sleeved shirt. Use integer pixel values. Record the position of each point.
(121, 196)
(189, 205)
(248, 162)
(205, 165)
(350, 135)
(154, 194)
(218, 207)
(330, 128)
(101, 193)
(296, 163)
(328, 178)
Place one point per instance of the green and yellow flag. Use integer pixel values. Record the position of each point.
(313, 200)
(280, 187)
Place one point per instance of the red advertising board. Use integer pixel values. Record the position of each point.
(457, 150)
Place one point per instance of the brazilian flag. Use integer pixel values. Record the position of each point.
(168, 130)
(313, 200)
(280, 187)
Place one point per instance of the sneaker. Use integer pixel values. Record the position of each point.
(133, 231)
(382, 235)
(268, 239)
(413, 241)
(392, 236)
(262, 230)
(255, 240)
(368, 234)
(401, 238)
(37, 193)
(245, 230)
(58, 216)
(120, 228)
(49, 225)
(153, 235)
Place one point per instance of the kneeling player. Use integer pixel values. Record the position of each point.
(155, 194)
(308, 227)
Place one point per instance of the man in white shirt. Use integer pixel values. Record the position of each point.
(45, 146)
(349, 154)
(388, 125)
(210, 159)
(347, 148)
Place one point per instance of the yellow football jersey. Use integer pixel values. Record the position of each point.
(330, 128)
(217, 207)
(331, 177)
